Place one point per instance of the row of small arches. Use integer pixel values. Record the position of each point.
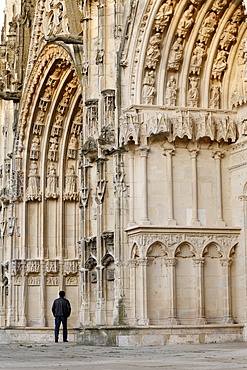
(183, 250)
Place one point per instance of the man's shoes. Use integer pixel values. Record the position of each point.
(66, 340)
(56, 341)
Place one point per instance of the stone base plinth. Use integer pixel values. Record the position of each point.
(158, 336)
(125, 336)
(33, 335)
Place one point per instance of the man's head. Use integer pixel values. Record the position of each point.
(62, 294)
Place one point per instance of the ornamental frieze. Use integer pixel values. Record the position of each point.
(52, 280)
(33, 280)
(52, 266)
(144, 241)
(71, 280)
(194, 124)
(32, 266)
(70, 267)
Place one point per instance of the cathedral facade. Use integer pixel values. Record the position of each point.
(123, 170)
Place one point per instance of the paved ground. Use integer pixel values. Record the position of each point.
(70, 356)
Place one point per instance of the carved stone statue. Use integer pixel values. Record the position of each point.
(207, 27)
(220, 64)
(215, 94)
(35, 148)
(163, 16)
(77, 123)
(228, 36)
(149, 91)
(51, 189)
(218, 5)
(39, 123)
(176, 54)
(197, 58)
(153, 51)
(72, 147)
(186, 22)
(171, 91)
(46, 98)
(64, 103)
(57, 126)
(53, 149)
(70, 184)
(193, 93)
(33, 191)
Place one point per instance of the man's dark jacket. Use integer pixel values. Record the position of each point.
(61, 307)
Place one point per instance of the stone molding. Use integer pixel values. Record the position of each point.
(194, 124)
(170, 239)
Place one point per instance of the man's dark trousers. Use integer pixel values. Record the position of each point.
(58, 321)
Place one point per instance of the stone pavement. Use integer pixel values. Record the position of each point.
(71, 356)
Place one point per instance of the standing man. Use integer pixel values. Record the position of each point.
(61, 311)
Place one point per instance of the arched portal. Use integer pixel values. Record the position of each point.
(186, 52)
(50, 129)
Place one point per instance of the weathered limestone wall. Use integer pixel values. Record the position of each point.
(122, 154)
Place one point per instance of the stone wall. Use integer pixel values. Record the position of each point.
(123, 147)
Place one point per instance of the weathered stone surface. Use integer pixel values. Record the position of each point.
(123, 162)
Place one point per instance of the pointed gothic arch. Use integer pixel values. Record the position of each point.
(196, 44)
(49, 131)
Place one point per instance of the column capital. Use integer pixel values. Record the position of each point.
(144, 150)
(226, 262)
(193, 153)
(199, 261)
(168, 152)
(132, 263)
(142, 261)
(217, 153)
(171, 261)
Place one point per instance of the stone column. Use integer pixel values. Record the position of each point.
(61, 276)
(217, 155)
(171, 263)
(194, 221)
(200, 319)
(23, 314)
(84, 315)
(10, 297)
(144, 155)
(169, 176)
(226, 276)
(143, 320)
(42, 293)
(132, 271)
(131, 185)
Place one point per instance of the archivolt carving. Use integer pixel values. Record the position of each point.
(185, 250)
(204, 38)
(157, 250)
(50, 55)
